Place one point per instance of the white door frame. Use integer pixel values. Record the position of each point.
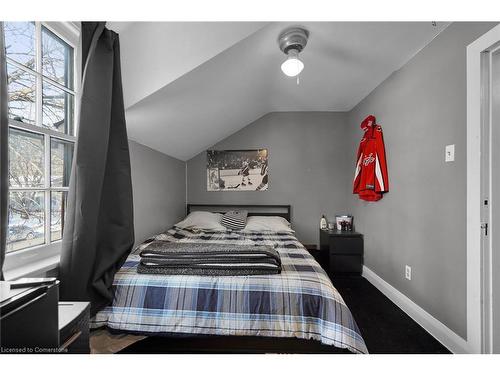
(474, 307)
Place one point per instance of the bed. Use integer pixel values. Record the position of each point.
(299, 303)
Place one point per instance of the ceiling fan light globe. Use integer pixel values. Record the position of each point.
(292, 67)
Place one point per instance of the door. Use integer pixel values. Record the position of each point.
(495, 187)
(490, 202)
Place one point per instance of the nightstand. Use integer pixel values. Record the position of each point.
(321, 256)
(74, 327)
(345, 252)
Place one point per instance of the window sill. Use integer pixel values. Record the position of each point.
(33, 269)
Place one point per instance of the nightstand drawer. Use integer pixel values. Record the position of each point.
(345, 264)
(346, 245)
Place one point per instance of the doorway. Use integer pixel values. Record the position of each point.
(483, 193)
(490, 185)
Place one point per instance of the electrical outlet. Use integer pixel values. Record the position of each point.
(408, 272)
(449, 153)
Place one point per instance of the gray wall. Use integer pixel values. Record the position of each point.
(308, 162)
(422, 220)
(159, 190)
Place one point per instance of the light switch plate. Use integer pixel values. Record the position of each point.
(449, 153)
(408, 272)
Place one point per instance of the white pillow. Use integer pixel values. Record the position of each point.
(202, 220)
(267, 223)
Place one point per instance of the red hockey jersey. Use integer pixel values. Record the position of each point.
(370, 178)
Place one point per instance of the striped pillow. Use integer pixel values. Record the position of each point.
(235, 220)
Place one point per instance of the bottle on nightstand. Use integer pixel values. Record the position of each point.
(323, 224)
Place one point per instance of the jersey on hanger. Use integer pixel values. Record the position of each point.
(371, 180)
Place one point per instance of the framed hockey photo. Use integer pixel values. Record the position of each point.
(237, 170)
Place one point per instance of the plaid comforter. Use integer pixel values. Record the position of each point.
(300, 302)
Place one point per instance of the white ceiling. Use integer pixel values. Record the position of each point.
(188, 85)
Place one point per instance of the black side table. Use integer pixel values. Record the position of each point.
(345, 252)
(74, 330)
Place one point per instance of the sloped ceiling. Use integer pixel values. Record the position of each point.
(189, 85)
(155, 54)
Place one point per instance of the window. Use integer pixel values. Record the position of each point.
(41, 84)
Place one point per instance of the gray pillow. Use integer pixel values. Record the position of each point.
(235, 220)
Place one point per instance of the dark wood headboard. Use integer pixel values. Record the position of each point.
(283, 210)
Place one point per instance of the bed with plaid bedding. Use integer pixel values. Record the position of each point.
(300, 302)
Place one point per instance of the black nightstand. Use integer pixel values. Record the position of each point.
(318, 254)
(345, 252)
(74, 327)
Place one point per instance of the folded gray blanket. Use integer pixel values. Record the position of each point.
(208, 259)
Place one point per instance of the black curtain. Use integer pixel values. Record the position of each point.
(99, 229)
(4, 153)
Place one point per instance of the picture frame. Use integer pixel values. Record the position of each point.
(238, 170)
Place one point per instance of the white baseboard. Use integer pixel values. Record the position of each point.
(443, 334)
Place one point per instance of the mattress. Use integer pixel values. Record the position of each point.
(300, 302)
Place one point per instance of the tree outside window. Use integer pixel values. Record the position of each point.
(40, 67)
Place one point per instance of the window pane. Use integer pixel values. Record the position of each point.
(61, 157)
(58, 201)
(26, 159)
(57, 109)
(20, 42)
(26, 220)
(57, 59)
(21, 94)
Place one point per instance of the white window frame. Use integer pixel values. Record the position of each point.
(26, 261)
